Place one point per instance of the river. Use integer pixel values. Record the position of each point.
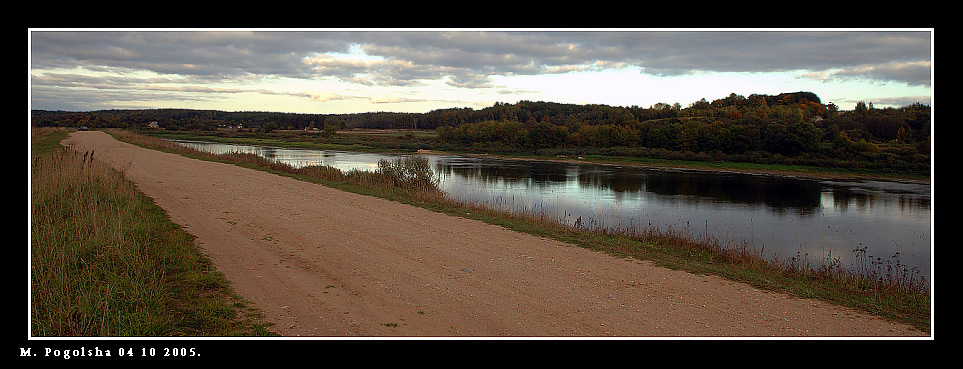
(780, 217)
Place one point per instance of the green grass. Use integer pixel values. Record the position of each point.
(107, 261)
(900, 298)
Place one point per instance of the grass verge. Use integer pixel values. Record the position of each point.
(881, 289)
(106, 261)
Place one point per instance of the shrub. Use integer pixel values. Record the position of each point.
(409, 172)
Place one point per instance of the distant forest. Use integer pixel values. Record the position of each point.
(790, 128)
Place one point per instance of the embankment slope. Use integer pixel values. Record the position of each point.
(322, 262)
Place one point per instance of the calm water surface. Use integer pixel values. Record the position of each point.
(781, 217)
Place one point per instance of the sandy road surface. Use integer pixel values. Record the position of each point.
(322, 262)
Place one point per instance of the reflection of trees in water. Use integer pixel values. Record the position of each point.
(512, 173)
(847, 197)
(779, 194)
(270, 153)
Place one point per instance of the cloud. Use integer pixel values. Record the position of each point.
(912, 73)
(325, 96)
(126, 83)
(204, 54)
(184, 61)
(904, 100)
(393, 99)
(329, 66)
(409, 56)
(73, 80)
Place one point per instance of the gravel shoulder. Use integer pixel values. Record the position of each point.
(327, 263)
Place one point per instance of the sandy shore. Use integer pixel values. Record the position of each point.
(322, 262)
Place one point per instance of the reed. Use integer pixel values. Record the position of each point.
(412, 173)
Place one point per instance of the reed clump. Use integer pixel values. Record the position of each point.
(412, 173)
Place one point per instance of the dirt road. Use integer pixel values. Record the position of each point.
(322, 262)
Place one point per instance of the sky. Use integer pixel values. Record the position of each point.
(340, 71)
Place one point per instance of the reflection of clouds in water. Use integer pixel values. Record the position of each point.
(780, 215)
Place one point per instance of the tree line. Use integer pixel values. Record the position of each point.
(788, 128)
(791, 128)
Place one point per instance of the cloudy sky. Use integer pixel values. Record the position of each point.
(407, 70)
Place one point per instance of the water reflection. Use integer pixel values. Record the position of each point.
(780, 216)
(779, 194)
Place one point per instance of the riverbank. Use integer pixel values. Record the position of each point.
(717, 167)
(406, 141)
(885, 298)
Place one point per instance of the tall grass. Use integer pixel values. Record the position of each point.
(106, 261)
(898, 296)
(412, 173)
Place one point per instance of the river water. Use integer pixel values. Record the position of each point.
(777, 216)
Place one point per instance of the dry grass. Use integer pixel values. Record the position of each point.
(106, 261)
